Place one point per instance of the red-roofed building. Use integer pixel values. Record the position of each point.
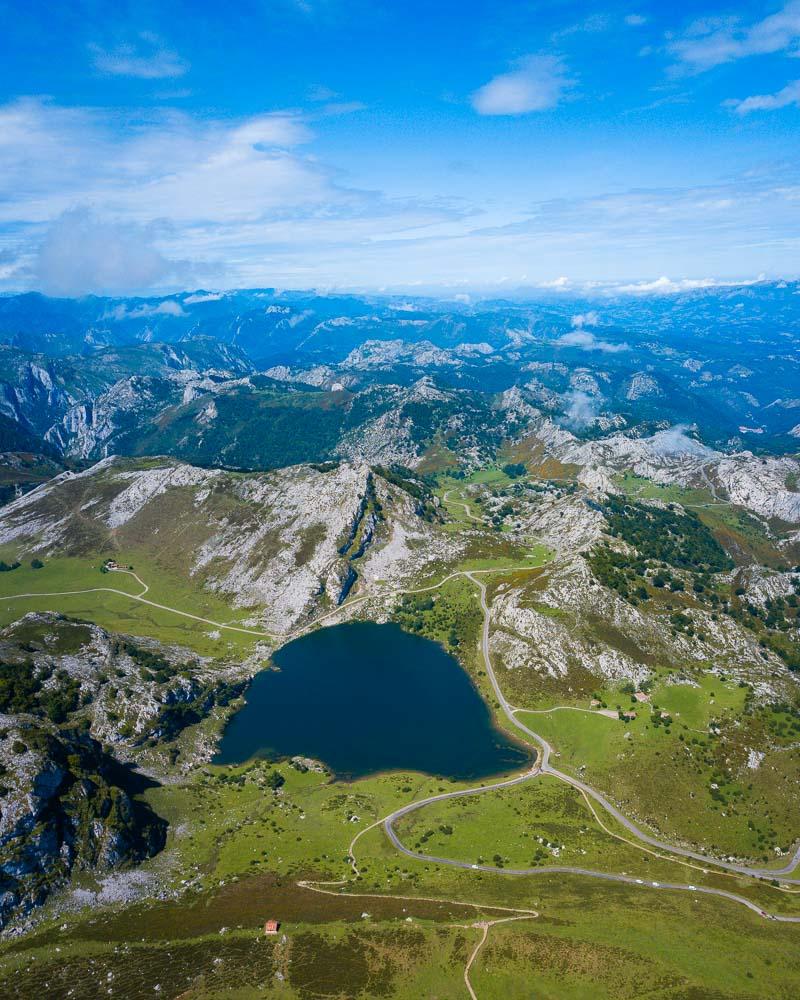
(271, 927)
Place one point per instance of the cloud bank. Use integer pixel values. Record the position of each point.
(768, 102)
(581, 410)
(81, 254)
(712, 41)
(585, 340)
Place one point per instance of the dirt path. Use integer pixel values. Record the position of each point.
(486, 926)
(607, 713)
(461, 503)
(544, 749)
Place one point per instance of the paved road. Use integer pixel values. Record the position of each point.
(570, 870)
(545, 750)
(461, 503)
(543, 766)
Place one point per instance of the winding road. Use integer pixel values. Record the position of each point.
(461, 503)
(542, 766)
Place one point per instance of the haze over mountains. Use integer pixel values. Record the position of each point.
(80, 379)
(189, 482)
(400, 500)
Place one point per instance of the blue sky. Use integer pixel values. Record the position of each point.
(373, 145)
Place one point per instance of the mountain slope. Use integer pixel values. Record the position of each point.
(287, 544)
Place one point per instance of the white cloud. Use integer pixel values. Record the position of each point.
(587, 341)
(81, 254)
(768, 102)
(168, 165)
(537, 83)
(147, 59)
(635, 20)
(251, 206)
(585, 319)
(711, 42)
(666, 286)
(167, 307)
(676, 441)
(191, 300)
(581, 410)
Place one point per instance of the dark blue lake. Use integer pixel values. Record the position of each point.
(365, 698)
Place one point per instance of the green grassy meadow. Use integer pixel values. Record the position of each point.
(684, 781)
(238, 849)
(115, 612)
(401, 929)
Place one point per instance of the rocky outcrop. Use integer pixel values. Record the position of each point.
(66, 805)
(285, 544)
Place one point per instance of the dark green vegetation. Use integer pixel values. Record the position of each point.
(72, 799)
(669, 535)
(367, 698)
(264, 427)
(266, 424)
(710, 760)
(776, 622)
(182, 705)
(676, 554)
(449, 615)
(84, 814)
(246, 846)
(21, 690)
(664, 539)
(450, 407)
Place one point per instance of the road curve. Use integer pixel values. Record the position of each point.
(461, 503)
(587, 872)
(545, 750)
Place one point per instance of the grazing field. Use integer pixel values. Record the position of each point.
(360, 918)
(122, 614)
(402, 928)
(692, 778)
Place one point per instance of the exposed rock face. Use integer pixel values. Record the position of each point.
(641, 384)
(67, 805)
(285, 543)
(79, 406)
(759, 484)
(567, 627)
(385, 439)
(379, 353)
(78, 706)
(321, 376)
(126, 690)
(148, 485)
(86, 427)
(673, 457)
(762, 585)
(568, 524)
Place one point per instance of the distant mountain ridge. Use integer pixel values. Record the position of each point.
(262, 379)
